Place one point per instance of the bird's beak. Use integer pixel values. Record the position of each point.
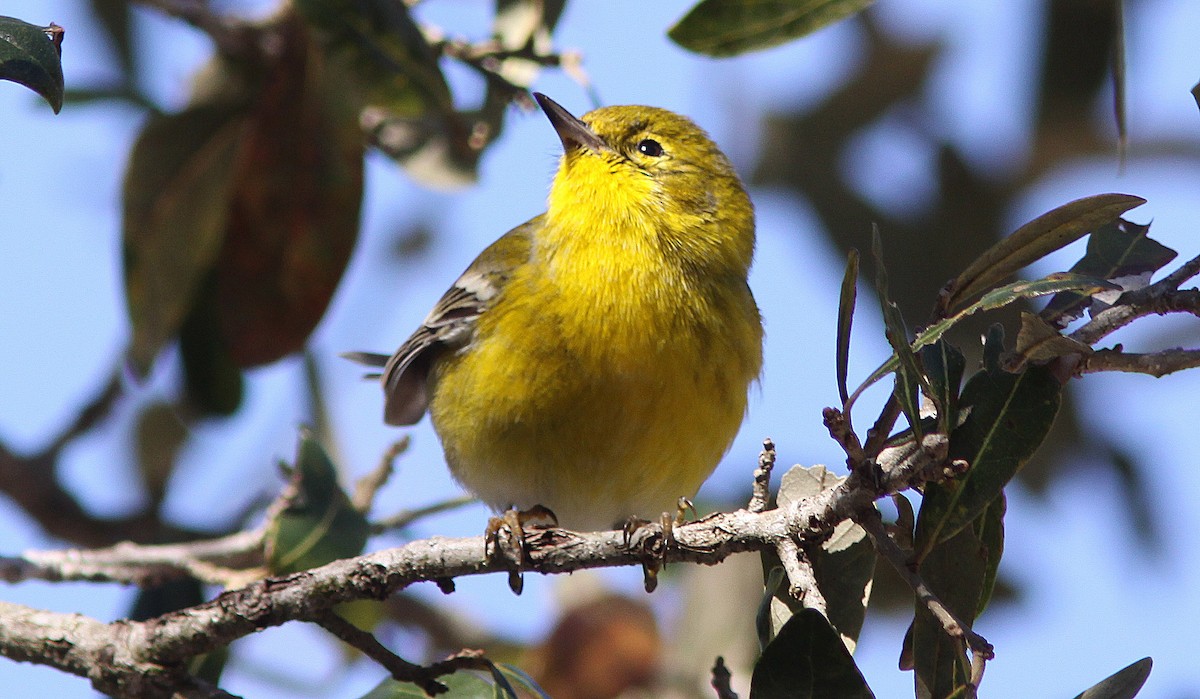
(571, 131)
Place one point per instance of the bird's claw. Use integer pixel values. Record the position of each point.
(505, 538)
(652, 542)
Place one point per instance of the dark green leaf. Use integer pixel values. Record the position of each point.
(844, 564)
(807, 660)
(515, 675)
(1123, 684)
(1010, 416)
(1033, 241)
(176, 205)
(1119, 251)
(767, 619)
(846, 301)
(955, 570)
(212, 380)
(730, 27)
(319, 524)
(989, 531)
(29, 55)
(944, 366)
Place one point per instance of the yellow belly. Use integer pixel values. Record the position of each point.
(601, 415)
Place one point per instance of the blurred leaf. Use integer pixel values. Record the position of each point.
(461, 685)
(1122, 253)
(1038, 341)
(293, 215)
(1010, 415)
(807, 660)
(1196, 94)
(390, 67)
(730, 27)
(31, 56)
(466, 684)
(520, 25)
(114, 16)
(1118, 79)
(1033, 241)
(319, 524)
(160, 433)
(1123, 684)
(212, 381)
(846, 301)
(844, 564)
(997, 298)
(176, 201)
(944, 365)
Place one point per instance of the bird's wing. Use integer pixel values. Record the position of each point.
(451, 323)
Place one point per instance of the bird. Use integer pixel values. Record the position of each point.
(595, 360)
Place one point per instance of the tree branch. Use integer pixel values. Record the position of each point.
(1156, 364)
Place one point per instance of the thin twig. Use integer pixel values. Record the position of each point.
(721, 678)
(1156, 364)
(209, 561)
(404, 518)
(802, 579)
(369, 485)
(762, 478)
(951, 624)
(400, 669)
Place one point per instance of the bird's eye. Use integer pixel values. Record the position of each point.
(650, 147)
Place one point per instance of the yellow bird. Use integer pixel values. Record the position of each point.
(595, 360)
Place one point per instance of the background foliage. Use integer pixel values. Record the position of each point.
(228, 267)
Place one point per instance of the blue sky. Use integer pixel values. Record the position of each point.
(1095, 601)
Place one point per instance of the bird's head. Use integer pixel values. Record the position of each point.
(638, 168)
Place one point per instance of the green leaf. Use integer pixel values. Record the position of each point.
(1033, 241)
(989, 531)
(461, 685)
(1119, 251)
(731, 27)
(319, 524)
(846, 301)
(1010, 415)
(176, 204)
(31, 56)
(1123, 684)
(944, 365)
(909, 376)
(807, 660)
(844, 564)
(997, 298)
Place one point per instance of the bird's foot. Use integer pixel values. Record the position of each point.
(651, 540)
(505, 538)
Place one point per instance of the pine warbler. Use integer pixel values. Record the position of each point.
(595, 360)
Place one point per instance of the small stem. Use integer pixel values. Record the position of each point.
(762, 478)
(1156, 364)
(802, 579)
(368, 486)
